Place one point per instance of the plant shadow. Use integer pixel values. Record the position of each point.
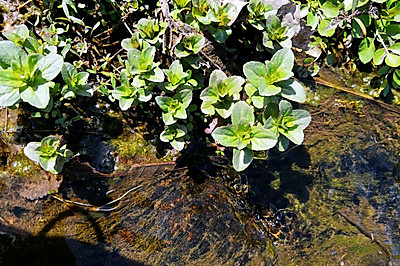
(271, 180)
(18, 247)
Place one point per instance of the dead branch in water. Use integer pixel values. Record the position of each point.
(89, 207)
(358, 94)
(369, 235)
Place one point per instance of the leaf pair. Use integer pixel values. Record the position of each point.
(174, 108)
(48, 154)
(26, 77)
(244, 136)
(286, 123)
(272, 78)
(76, 83)
(131, 92)
(142, 63)
(151, 30)
(177, 78)
(174, 134)
(221, 94)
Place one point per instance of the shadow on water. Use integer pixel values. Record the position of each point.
(271, 180)
(18, 247)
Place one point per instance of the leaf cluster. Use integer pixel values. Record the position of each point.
(48, 153)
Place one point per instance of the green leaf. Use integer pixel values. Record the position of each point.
(50, 141)
(322, 28)
(250, 89)
(259, 101)
(207, 108)
(383, 70)
(154, 75)
(242, 158)
(175, 73)
(283, 143)
(271, 110)
(393, 30)
(285, 108)
(10, 79)
(392, 60)
(226, 136)
(180, 51)
(8, 51)
(330, 10)
(241, 110)
(396, 78)
(253, 70)
(296, 135)
(209, 94)
(180, 113)
(68, 71)
(220, 33)
(266, 89)
(226, 111)
(185, 97)
(9, 96)
(178, 144)
(125, 103)
(216, 77)
(262, 139)
(303, 118)
(31, 64)
(379, 56)
(293, 90)
(38, 97)
(144, 95)
(282, 61)
(234, 84)
(50, 66)
(366, 50)
(358, 28)
(395, 48)
(168, 118)
(312, 20)
(141, 61)
(47, 163)
(163, 102)
(31, 151)
(197, 42)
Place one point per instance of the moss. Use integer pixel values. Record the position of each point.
(131, 145)
(21, 166)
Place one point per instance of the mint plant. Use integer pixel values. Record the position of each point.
(26, 77)
(151, 30)
(177, 78)
(19, 36)
(244, 136)
(135, 42)
(272, 79)
(48, 153)
(75, 83)
(142, 63)
(214, 16)
(180, 6)
(131, 92)
(286, 123)
(174, 134)
(258, 13)
(174, 108)
(190, 45)
(221, 94)
(277, 35)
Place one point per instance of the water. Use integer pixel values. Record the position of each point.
(201, 213)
